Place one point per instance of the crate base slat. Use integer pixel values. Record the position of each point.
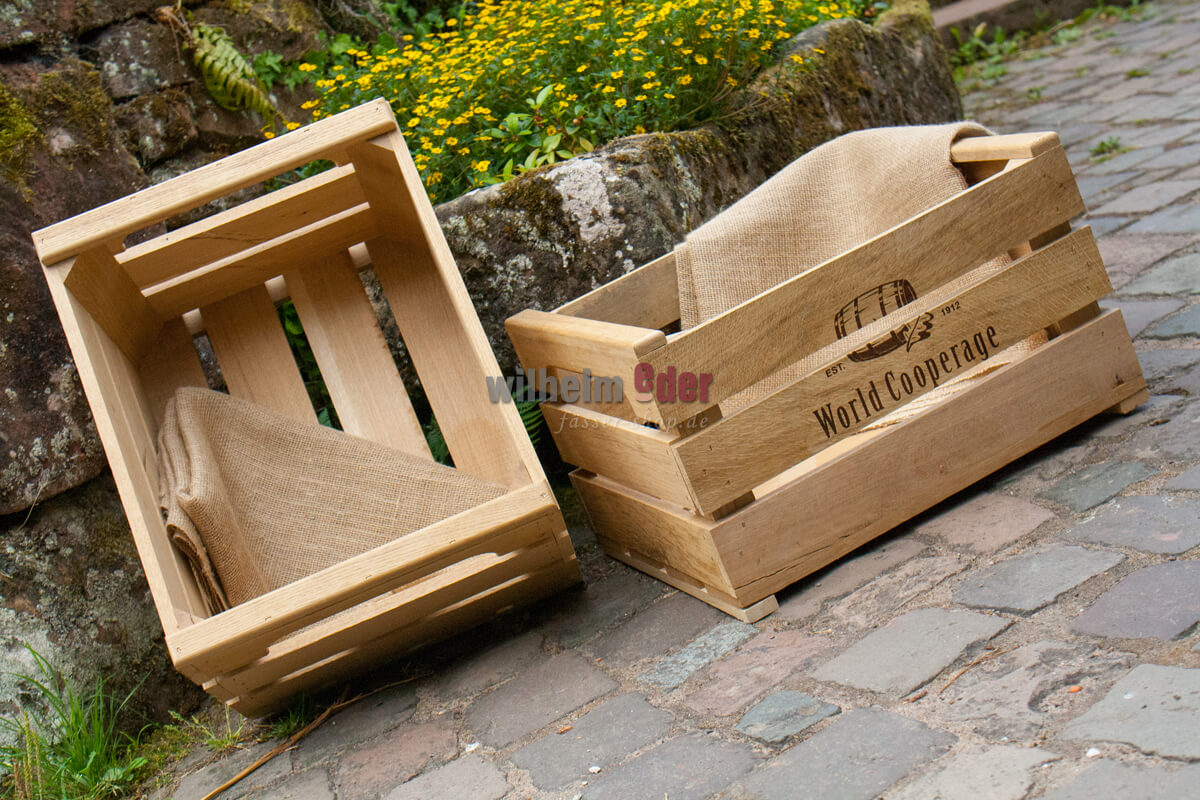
(790, 531)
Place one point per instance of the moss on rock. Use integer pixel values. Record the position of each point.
(18, 134)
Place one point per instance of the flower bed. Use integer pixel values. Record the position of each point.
(518, 84)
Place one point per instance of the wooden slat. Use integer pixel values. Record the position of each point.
(732, 456)
(882, 477)
(437, 321)
(1003, 147)
(547, 340)
(647, 297)
(928, 251)
(909, 467)
(247, 225)
(355, 362)
(458, 617)
(253, 353)
(115, 220)
(245, 632)
(172, 587)
(254, 266)
(391, 611)
(113, 301)
(666, 533)
(172, 363)
(628, 453)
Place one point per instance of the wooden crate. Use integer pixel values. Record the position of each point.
(130, 315)
(733, 506)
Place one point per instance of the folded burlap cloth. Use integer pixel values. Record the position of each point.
(256, 500)
(830, 200)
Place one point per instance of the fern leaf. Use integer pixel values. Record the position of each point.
(230, 78)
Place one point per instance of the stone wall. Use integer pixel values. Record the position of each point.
(97, 101)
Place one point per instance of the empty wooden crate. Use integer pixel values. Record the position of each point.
(130, 314)
(732, 504)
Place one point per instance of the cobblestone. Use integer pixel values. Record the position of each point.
(910, 650)
(1160, 601)
(859, 755)
(1031, 580)
(1154, 708)
(536, 698)
(1151, 523)
(783, 714)
(686, 768)
(601, 737)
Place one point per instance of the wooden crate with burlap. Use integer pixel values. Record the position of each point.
(291, 554)
(889, 319)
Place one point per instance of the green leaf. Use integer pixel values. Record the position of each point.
(542, 95)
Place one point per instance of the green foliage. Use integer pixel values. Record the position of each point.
(220, 736)
(1034, 93)
(979, 55)
(531, 417)
(301, 712)
(504, 87)
(977, 46)
(76, 752)
(230, 78)
(1108, 148)
(318, 392)
(1137, 73)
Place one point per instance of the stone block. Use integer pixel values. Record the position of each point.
(764, 661)
(1151, 523)
(469, 777)
(1028, 581)
(807, 596)
(1096, 484)
(602, 737)
(1160, 601)
(997, 773)
(536, 698)
(858, 757)
(690, 767)
(910, 650)
(656, 630)
(782, 714)
(672, 670)
(1153, 708)
(370, 770)
(986, 522)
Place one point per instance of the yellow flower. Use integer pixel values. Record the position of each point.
(306, 67)
(620, 103)
(291, 126)
(450, 23)
(607, 90)
(640, 97)
(701, 60)
(616, 76)
(581, 68)
(482, 166)
(685, 80)
(508, 62)
(268, 135)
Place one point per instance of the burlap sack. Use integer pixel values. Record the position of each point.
(830, 200)
(255, 500)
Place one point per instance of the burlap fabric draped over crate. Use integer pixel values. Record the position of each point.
(830, 200)
(256, 500)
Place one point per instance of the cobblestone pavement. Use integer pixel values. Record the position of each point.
(1035, 636)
